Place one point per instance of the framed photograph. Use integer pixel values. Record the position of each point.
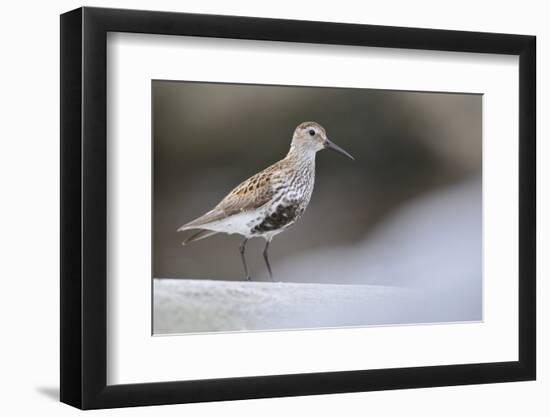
(258, 208)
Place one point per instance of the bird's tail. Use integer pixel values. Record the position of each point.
(203, 234)
(204, 220)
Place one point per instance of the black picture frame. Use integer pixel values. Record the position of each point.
(84, 197)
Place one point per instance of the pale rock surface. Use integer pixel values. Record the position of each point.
(183, 305)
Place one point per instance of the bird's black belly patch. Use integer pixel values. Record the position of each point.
(280, 217)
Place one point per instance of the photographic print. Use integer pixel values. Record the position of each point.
(366, 219)
(292, 207)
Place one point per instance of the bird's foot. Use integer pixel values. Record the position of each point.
(249, 278)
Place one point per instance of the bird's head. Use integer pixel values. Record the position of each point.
(312, 137)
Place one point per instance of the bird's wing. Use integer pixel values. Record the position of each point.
(248, 195)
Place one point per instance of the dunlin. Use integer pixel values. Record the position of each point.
(269, 202)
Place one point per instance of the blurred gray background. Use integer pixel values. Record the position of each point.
(407, 212)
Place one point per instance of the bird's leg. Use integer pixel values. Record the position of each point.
(241, 249)
(266, 258)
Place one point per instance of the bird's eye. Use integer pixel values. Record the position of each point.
(312, 132)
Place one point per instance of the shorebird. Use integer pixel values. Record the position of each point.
(270, 201)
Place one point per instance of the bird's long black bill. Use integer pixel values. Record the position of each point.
(334, 147)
